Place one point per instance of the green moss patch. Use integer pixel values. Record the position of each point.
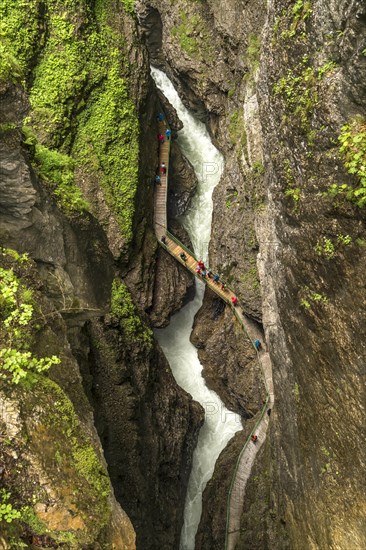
(126, 313)
(78, 90)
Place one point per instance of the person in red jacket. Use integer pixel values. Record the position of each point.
(234, 300)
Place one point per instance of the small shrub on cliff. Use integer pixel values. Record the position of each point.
(125, 311)
(300, 12)
(299, 89)
(7, 512)
(353, 154)
(16, 362)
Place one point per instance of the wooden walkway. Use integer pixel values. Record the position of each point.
(250, 449)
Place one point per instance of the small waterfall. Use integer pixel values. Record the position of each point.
(220, 423)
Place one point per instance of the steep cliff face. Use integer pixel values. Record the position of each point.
(283, 94)
(315, 314)
(91, 249)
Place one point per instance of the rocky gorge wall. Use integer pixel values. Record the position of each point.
(78, 158)
(275, 86)
(281, 88)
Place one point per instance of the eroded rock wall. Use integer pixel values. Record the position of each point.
(87, 264)
(276, 84)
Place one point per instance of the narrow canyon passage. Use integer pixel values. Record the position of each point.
(220, 423)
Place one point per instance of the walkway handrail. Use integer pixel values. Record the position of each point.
(177, 241)
(237, 315)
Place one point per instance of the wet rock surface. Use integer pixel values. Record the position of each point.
(228, 358)
(271, 224)
(147, 426)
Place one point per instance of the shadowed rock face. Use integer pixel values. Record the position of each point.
(276, 89)
(147, 426)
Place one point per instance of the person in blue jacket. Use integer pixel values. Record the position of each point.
(257, 344)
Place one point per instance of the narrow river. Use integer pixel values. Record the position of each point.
(220, 423)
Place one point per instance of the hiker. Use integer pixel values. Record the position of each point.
(216, 278)
(201, 264)
(223, 286)
(198, 270)
(254, 438)
(163, 239)
(257, 344)
(168, 133)
(163, 168)
(160, 117)
(234, 300)
(183, 256)
(204, 273)
(269, 412)
(161, 139)
(209, 274)
(157, 180)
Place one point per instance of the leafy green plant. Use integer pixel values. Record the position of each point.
(21, 258)
(344, 239)
(299, 89)
(310, 296)
(330, 65)
(7, 512)
(16, 314)
(325, 247)
(16, 365)
(300, 12)
(353, 153)
(294, 193)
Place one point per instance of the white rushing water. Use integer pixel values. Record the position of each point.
(220, 423)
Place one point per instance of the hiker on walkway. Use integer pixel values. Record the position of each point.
(183, 256)
(161, 138)
(216, 278)
(198, 270)
(209, 274)
(234, 300)
(168, 133)
(163, 239)
(163, 168)
(201, 264)
(160, 117)
(223, 286)
(157, 180)
(254, 438)
(204, 273)
(257, 344)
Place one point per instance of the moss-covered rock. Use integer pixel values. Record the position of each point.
(56, 487)
(74, 66)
